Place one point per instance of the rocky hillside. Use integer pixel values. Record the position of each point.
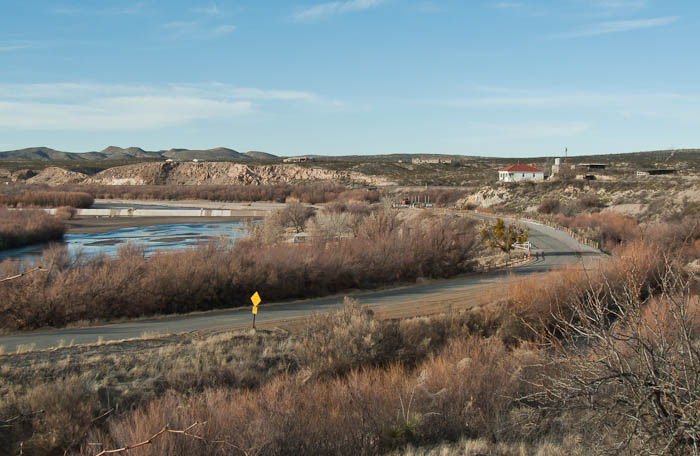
(57, 176)
(223, 173)
(132, 153)
(648, 198)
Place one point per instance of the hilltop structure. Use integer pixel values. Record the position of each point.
(517, 173)
(431, 161)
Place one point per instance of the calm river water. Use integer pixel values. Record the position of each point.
(152, 238)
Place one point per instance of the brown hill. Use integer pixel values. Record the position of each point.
(224, 173)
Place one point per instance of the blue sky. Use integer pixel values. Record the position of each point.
(471, 77)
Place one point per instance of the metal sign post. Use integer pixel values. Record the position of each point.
(255, 299)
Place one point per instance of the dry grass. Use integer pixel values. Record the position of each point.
(366, 412)
(351, 384)
(125, 375)
(220, 276)
(570, 446)
(19, 196)
(308, 193)
(607, 228)
(28, 226)
(532, 305)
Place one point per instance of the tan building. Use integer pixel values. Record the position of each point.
(431, 161)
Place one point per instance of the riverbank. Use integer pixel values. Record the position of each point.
(200, 204)
(90, 224)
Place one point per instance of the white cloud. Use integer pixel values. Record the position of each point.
(327, 9)
(525, 131)
(10, 46)
(211, 10)
(102, 107)
(285, 95)
(525, 99)
(621, 4)
(123, 113)
(196, 30)
(604, 28)
(488, 96)
(508, 5)
(128, 10)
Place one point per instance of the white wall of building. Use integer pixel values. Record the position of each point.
(517, 176)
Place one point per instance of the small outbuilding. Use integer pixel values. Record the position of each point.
(298, 159)
(517, 173)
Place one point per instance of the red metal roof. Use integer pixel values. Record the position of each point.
(521, 168)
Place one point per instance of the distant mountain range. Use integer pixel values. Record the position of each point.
(132, 153)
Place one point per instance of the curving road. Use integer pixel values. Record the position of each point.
(460, 292)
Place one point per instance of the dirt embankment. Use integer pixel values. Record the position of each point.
(57, 176)
(208, 173)
(648, 200)
(220, 173)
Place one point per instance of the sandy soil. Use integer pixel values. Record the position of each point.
(93, 225)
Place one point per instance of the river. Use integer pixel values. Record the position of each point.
(151, 238)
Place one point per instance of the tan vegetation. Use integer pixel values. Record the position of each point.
(386, 251)
(24, 196)
(576, 362)
(336, 388)
(308, 193)
(27, 226)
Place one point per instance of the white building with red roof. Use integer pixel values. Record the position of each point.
(516, 173)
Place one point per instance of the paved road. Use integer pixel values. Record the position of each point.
(558, 248)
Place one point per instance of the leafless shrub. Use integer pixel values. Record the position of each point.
(465, 389)
(634, 362)
(23, 197)
(335, 343)
(65, 212)
(549, 206)
(295, 215)
(531, 305)
(55, 415)
(607, 228)
(28, 226)
(216, 275)
(590, 201)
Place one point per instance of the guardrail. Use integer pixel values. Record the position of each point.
(500, 263)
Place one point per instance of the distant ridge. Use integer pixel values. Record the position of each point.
(257, 155)
(132, 153)
(116, 153)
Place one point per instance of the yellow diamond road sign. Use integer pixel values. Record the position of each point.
(255, 299)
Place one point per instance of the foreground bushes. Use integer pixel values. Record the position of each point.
(629, 346)
(23, 227)
(133, 374)
(618, 378)
(366, 412)
(216, 276)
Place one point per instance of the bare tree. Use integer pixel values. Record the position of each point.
(633, 360)
(295, 215)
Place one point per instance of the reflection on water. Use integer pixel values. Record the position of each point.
(151, 238)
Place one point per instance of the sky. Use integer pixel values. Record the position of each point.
(468, 77)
